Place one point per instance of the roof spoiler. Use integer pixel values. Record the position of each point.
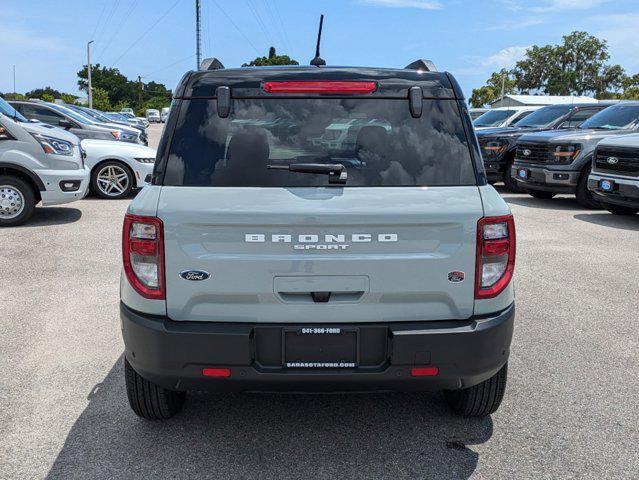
(211, 64)
(421, 64)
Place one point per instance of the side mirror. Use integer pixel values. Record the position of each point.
(66, 124)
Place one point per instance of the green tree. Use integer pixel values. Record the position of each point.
(577, 66)
(272, 59)
(117, 86)
(68, 98)
(492, 90)
(101, 99)
(119, 89)
(47, 93)
(13, 96)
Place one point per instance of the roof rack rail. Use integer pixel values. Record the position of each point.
(422, 64)
(211, 64)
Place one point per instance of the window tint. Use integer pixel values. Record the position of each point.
(613, 118)
(43, 114)
(544, 116)
(377, 140)
(579, 117)
(493, 118)
(10, 112)
(78, 117)
(521, 116)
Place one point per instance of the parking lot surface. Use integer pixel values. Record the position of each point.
(570, 410)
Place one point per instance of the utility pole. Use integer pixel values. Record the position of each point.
(198, 50)
(139, 91)
(14, 82)
(89, 73)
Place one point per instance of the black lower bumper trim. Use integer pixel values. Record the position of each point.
(625, 195)
(173, 354)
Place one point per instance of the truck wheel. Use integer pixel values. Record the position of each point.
(510, 182)
(112, 180)
(17, 201)
(619, 210)
(479, 400)
(541, 194)
(149, 400)
(584, 196)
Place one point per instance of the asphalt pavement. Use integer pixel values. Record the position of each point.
(570, 410)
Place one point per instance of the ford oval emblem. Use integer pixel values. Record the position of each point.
(612, 160)
(195, 275)
(526, 153)
(456, 277)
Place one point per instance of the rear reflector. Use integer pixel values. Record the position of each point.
(216, 372)
(335, 88)
(424, 371)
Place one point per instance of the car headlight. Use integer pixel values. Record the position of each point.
(54, 146)
(493, 148)
(564, 154)
(145, 159)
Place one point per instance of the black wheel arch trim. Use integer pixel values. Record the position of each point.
(26, 172)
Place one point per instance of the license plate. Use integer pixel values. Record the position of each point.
(522, 173)
(607, 185)
(321, 347)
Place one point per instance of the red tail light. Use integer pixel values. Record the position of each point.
(335, 88)
(424, 371)
(143, 255)
(495, 255)
(216, 372)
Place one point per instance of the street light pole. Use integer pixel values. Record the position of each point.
(14, 82)
(89, 73)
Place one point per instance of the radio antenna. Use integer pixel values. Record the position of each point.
(319, 61)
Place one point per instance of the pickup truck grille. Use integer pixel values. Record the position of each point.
(622, 161)
(537, 153)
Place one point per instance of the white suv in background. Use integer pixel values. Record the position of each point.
(38, 163)
(502, 117)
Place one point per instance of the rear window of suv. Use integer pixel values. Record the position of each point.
(377, 140)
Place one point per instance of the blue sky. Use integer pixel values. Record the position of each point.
(46, 40)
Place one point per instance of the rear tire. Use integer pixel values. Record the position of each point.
(148, 400)
(585, 198)
(17, 201)
(479, 400)
(619, 210)
(541, 194)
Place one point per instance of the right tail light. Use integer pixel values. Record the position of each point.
(495, 255)
(143, 255)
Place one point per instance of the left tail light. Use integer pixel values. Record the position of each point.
(495, 261)
(143, 255)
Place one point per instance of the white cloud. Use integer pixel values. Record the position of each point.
(518, 24)
(505, 58)
(421, 4)
(547, 6)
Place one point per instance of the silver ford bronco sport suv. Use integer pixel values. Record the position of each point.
(263, 258)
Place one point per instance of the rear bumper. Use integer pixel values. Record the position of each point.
(173, 354)
(625, 192)
(559, 181)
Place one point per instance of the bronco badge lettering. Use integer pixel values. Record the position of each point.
(313, 241)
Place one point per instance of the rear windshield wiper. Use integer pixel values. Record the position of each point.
(336, 172)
